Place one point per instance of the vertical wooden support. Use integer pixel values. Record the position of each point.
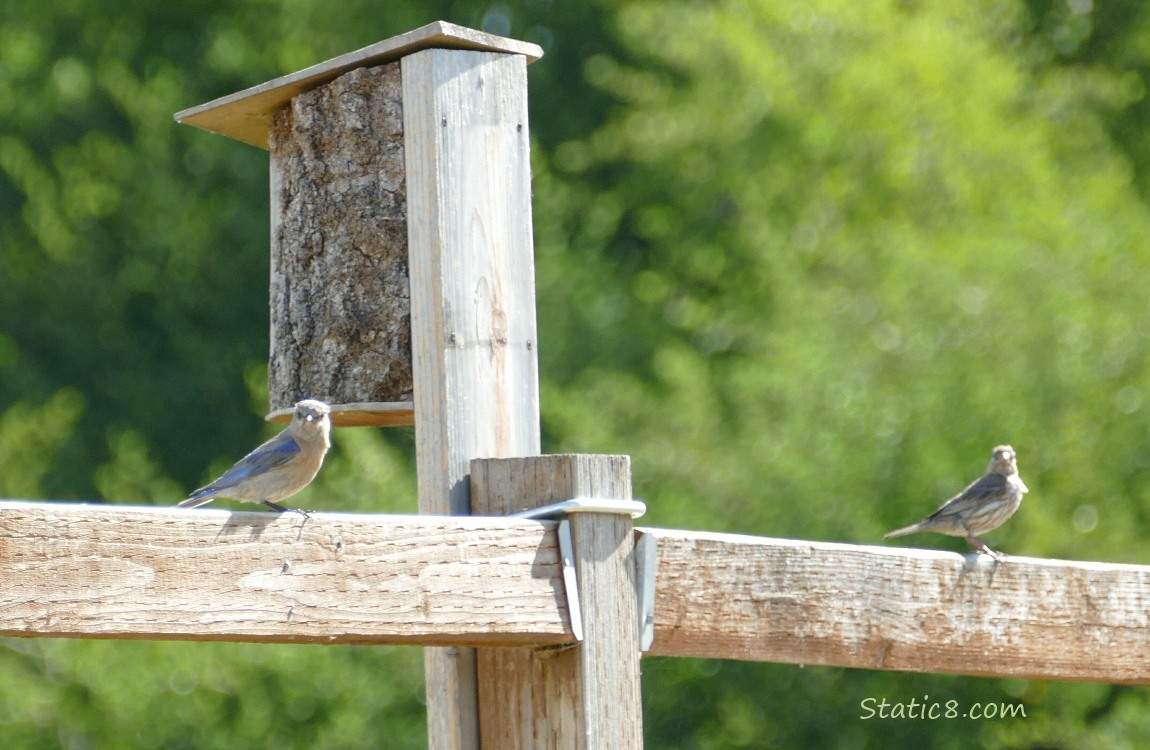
(588, 696)
(472, 304)
(470, 260)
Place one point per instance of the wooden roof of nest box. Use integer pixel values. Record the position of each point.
(246, 115)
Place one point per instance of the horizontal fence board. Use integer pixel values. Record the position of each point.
(146, 572)
(100, 571)
(752, 598)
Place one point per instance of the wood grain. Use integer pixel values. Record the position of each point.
(360, 414)
(113, 572)
(94, 571)
(246, 115)
(609, 654)
(586, 697)
(749, 598)
(473, 335)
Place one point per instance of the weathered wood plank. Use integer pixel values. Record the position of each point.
(246, 115)
(739, 597)
(611, 699)
(121, 572)
(472, 273)
(516, 710)
(587, 697)
(360, 414)
(473, 338)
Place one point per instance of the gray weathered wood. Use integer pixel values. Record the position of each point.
(120, 572)
(472, 303)
(94, 571)
(738, 597)
(587, 697)
(340, 313)
(246, 115)
(360, 414)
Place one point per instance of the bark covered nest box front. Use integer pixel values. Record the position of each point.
(340, 301)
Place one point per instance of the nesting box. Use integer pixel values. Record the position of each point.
(340, 301)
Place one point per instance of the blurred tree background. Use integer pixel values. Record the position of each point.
(806, 262)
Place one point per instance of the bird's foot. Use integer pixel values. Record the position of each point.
(982, 548)
(284, 509)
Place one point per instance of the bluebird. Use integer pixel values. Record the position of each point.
(983, 506)
(280, 467)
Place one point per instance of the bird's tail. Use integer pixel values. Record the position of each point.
(903, 531)
(197, 499)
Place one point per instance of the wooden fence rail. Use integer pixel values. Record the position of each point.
(146, 572)
(115, 572)
(780, 600)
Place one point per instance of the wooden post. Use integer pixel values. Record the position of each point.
(472, 304)
(469, 257)
(585, 697)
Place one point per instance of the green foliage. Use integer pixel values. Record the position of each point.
(189, 695)
(805, 262)
(30, 437)
(859, 249)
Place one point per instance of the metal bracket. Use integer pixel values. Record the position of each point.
(570, 581)
(646, 561)
(633, 508)
(644, 558)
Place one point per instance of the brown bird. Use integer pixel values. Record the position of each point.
(983, 506)
(280, 467)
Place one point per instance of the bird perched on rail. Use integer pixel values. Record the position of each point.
(983, 506)
(280, 467)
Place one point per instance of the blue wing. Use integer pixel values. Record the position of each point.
(274, 453)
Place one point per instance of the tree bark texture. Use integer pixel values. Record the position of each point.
(340, 305)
